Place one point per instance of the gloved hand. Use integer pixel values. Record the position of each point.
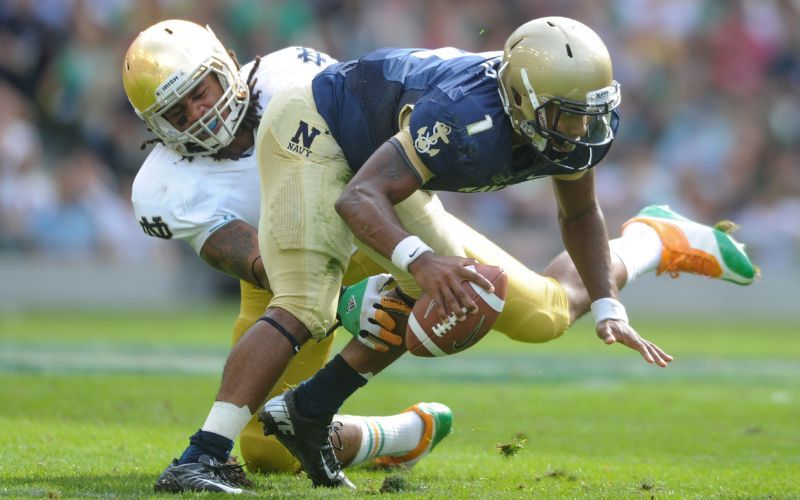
(370, 312)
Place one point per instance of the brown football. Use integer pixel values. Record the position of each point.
(428, 335)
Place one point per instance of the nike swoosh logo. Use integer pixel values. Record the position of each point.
(328, 471)
(225, 220)
(457, 346)
(198, 478)
(412, 254)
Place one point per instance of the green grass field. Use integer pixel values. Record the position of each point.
(96, 405)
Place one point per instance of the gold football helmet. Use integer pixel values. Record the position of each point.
(555, 71)
(163, 64)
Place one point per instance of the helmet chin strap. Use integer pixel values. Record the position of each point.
(545, 149)
(525, 127)
(533, 138)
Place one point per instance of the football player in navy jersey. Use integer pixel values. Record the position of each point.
(373, 137)
(199, 184)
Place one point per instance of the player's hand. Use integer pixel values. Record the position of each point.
(611, 331)
(371, 312)
(440, 276)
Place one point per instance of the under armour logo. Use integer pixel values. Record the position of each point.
(157, 228)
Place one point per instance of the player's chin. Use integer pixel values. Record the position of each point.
(563, 146)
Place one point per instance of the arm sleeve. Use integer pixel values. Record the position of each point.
(179, 208)
(405, 145)
(440, 140)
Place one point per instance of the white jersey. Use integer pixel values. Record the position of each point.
(189, 200)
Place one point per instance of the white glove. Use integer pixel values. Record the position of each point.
(368, 311)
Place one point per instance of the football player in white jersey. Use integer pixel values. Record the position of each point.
(200, 184)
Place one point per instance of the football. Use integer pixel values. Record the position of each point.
(428, 335)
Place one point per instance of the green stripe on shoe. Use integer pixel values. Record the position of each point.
(443, 422)
(660, 211)
(734, 258)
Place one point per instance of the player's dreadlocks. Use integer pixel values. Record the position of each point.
(252, 115)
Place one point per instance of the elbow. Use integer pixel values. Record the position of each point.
(347, 200)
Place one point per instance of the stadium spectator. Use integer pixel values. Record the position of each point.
(25, 187)
(66, 228)
(730, 62)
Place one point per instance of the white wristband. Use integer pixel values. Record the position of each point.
(407, 251)
(608, 308)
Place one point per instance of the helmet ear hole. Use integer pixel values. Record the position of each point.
(516, 97)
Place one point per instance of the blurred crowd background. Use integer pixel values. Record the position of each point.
(711, 111)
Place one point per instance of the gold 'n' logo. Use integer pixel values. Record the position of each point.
(425, 141)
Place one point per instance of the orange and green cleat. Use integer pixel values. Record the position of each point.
(438, 421)
(694, 248)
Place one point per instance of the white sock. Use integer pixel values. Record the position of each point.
(639, 249)
(380, 436)
(227, 419)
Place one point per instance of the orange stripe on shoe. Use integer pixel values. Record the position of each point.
(677, 254)
(422, 446)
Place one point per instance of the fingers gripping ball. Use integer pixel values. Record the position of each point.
(368, 311)
(428, 335)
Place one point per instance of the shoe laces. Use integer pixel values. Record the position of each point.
(230, 471)
(695, 263)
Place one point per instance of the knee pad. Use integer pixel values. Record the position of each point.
(536, 310)
(536, 327)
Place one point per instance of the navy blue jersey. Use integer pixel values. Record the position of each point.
(458, 137)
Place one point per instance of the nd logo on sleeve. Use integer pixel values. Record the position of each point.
(425, 140)
(157, 227)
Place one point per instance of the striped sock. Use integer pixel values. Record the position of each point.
(381, 436)
(639, 249)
